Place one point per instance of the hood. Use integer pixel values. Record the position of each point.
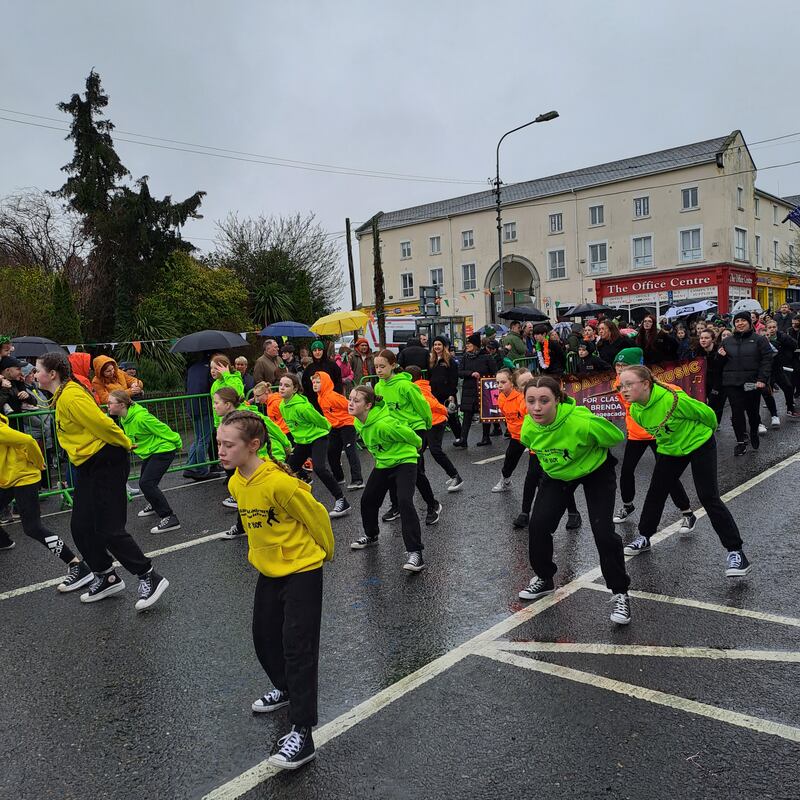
(102, 361)
(264, 473)
(566, 408)
(425, 385)
(376, 413)
(325, 382)
(81, 364)
(295, 399)
(398, 377)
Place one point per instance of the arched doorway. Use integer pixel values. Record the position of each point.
(520, 277)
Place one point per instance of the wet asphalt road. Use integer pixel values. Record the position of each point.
(102, 702)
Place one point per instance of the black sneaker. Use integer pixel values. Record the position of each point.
(688, 522)
(147, 511)
(414, 562)
(623, 513)
(621, 609)
(77, 575)
(484, 442)
(340, 508)
(271, 701)
(460, 443)
(738, 565)
(538, 587)
(355, 485)
(521, 521)
(103, 586)
(197, 476)
(740, 449)
(574, 521)
(170, 523)
(151, 587)
(391, 515)
(432, 517)
(364, 542)
(640, 544)
(294, 749)
(6, 542)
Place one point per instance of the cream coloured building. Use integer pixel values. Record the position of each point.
(674, 225)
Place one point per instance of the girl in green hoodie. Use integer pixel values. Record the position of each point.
(395, 448)
(573, 446)
(684, 432)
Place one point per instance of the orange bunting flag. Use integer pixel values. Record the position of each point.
(137, 346)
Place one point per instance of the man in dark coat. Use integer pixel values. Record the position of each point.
(475, 364)
(202, 448)
(414, 354)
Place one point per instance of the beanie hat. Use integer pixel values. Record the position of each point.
(443, 341)
(475, 340)
(27, 369)
(317, 345)
(630, 356)
(489, 330)
(491, 344)
(360, 341)
(742, 315)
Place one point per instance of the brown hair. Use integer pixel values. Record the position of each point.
(122, 397)
(222, 359)
(612, 329)
(644, 374)
(368, 392)
(260, 388)
(414, 371)
(546, 382)
(390, 357)
(229, 395)
(56, 362)
(508, 371)
(517, 374)
(298, 386)
(446, 356)
(251, 426)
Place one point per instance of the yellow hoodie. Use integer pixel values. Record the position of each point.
(82, 428)
(287, 529)
(21, 461)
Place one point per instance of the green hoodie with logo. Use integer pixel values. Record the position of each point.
(304, 421)
(232, 378)
(574, 444)
(690, 425)
(405, 402)
(149, 433)
(390, 442)
(277, 438)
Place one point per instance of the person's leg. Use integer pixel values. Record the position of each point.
(716, 401)
(634, 450)
(666, 472)
(514, 453)
(435, 438)
(736, 397)
(548, 508)
(423, 484)
(405, 478)
(532, 479)
(454, 423)
(300, 452)
(198, 450)
(27, 499)
(786, 387)
(335, 447)
(769, 402)
(465, 426)
(319, 455)
(348, 437)
(268, 613)
(372, 498)
(82, 519)
(486, 428)
(153, 470)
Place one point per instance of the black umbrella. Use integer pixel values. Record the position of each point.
(589, 309)
(33, 346)
(794, 306)
(208, 340)
(524, 314)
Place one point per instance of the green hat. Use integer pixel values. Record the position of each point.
(317, 345)
(630, 356)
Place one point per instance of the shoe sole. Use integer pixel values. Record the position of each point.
(357, 546)
(143, 514)
(519, 526)
(495, 490)
(620, 620)
(737, 573)
(64, 589)
(686, 531)
(112, 590)
(8, 546)
(523, 595)
(143, 605)
(355, 487)
(165, 530)
(412, 568)
(630, 552)
(456, 488)
(269, 709)
(227, 535)
(334, 514)
(281, 764)
(390, 519)
(228, 505)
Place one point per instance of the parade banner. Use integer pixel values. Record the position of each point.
(596, 393)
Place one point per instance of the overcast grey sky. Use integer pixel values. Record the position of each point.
(422, 88)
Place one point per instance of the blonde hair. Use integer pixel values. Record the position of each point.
(221, 359)
(121, 397)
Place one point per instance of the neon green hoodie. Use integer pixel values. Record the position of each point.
(404, 400)
(681, 432)
(390, 441)
(232, 378)
(304, 421)
(148, 433)
(574, 444)
(277, 439)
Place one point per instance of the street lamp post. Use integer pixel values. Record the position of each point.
(541, 118)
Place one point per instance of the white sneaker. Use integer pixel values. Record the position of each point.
(455, 484)
(762, 429)
(230, 502)
(620, 609)
(776, 423)
(503, 485)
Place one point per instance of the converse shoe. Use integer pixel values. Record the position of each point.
(484, 442)
(574, 521)
(775, 424)
(169, 523)
(503, 485)
(271, 701)
(294, 749)
(623, 513)
(432, 517)
(762, 428)
(340, 508)
(233, 532)
(147, 511)
(740, 449)
(460, 443)
(687, 524)
(521, 521)
(455, 484)
(341, 481)
(639, 545)
(621, 609)
(391, 515)
(133, 491)
(353, 485)
(78, 575)
(414, 562)
(6, 542)
(738, 565)
(151, 587)
(538, 587)
(364, 542)
(230, 502)
(103, 586)
(8, 515)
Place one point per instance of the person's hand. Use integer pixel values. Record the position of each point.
(23, 396)
(476, 375)
(134, 445)
(760, 384)
(6, 384)
(136, 389)
(721, 351)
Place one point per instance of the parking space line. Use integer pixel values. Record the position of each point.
(675, 702)
(593, 648)
(490, 460)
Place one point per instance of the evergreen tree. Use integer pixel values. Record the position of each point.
(65, 326)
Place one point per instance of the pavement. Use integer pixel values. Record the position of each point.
(436, 685)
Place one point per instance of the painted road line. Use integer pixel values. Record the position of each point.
(648, 695)
(592, 648)
(490, 460)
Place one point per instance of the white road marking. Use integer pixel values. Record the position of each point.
(648, 695)
(490, 460)
(592, 648)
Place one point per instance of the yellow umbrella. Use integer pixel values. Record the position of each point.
(339, 322)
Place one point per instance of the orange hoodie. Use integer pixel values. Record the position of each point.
(121, 380)
(512, 407)
(438, 411)
(81, 364)
(333, 404)
(274, 411)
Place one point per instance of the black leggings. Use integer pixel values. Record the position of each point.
(344, 438)
(744, 404)
(781, 380)
(435, 438)
(318, 452)
(467, 424)
(514, 453)
(153, 469)
(401, 479)
(716, 401)
(423, 484)
(634, 450)
(27, 498)
(533, 478)
(769, 401)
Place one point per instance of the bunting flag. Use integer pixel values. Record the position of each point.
(243, 334)
(137, 346)
(72, 348)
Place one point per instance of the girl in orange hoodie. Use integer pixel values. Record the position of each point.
(512, 407)
(262, 396)
(343, 432)
(81, 364)
(109, 377)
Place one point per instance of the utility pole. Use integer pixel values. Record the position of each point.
(380, 309)
(351, 269)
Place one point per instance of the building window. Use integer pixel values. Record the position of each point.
(436, 245)
(556, 223)
(437, 276)
(642, 252)
(689, 199)
(740, 244)
(596, 215)
(740, 198)
(469, 281)
(691, 244)
(758, 251)
(557, 264)
(467, 240)
(509, 231)
(756, 207)
(598, 258)
(776, 252)
(405, 249)
(641, 207)
(406, 284)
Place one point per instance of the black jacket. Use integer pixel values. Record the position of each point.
(608, 350)
(660, 348)
(482, 363)
(714, 364)
(444, 379)
(413, 354)
(592, 363)
(784, 322)
(785, 346)
(558, 360)
(748, 359)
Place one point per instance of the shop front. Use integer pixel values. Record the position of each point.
(722, 284)
(774, 289)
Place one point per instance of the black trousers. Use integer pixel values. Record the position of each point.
(716, 401)
(318, 452)
(100, 511)
(634, 450)
(403, 478)
(769, 401)
(454, 423)
(781, 379)
(744, 404)
(153, 469)
(423, 484)
(600, 487)
(532, 479)
(514, 453)
(467, 424)
(287, 613)
(27, 499)
(668, 470)
(344, 438)
(435, 439)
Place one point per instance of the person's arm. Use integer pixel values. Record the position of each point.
(83, 410)
(491, 367)
(605, 433)
(690, 409)
(274, 432)
(312, 515)
(312, 417)
(155, 426)
(398, 432)
(420, 404)
(100, 391)
(233, 378)
(11, 438)
(599, 363)
(765, 360)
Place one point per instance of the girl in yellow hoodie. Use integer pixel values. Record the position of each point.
(289, 536)
(98, 450)
(21, 466)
